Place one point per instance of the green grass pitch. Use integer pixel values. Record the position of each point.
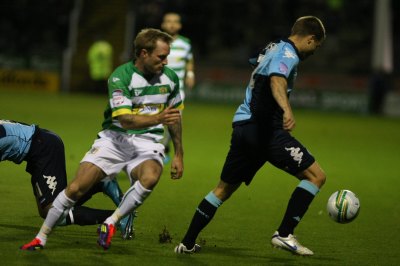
(357, 152)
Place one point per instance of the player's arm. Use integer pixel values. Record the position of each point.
(190, 78)
(175, 131)
(167, 117)
(279, 91)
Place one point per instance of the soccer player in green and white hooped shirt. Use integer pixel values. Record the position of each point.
(180, 60)
(144, 97)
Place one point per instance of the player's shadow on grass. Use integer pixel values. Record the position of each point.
(281, 258)
(20, 227)
(232, 251)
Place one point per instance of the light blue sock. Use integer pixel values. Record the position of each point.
(211, 198)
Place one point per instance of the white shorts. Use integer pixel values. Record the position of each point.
(115, 151)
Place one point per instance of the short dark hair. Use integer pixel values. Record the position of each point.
(147, 39)
(309, 25)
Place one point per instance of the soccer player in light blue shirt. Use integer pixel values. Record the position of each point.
(43, 152)
(261, 133)
(15, 140)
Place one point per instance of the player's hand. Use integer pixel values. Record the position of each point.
(170, 116)
(176, 167)
(289, 123)
(189, 82)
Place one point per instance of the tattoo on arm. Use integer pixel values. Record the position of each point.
(176, 135)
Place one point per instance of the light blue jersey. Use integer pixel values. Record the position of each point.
(15, 140)
(277, 59)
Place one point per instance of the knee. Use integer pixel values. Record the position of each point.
(149, 181)
(320, 179)
(315, 175)
(224, 191)
(74, 191)
(148, 174)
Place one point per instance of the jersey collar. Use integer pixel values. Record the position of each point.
(292, 44)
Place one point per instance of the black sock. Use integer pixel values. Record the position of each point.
(88, 216)
(297, 207)
(88, 195)
(203, 215)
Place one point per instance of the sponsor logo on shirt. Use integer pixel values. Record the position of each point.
(117, 97)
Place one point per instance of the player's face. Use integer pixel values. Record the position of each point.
(153, 63)
(171, 24)
(310, 46)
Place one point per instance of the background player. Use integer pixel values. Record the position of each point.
(180, 60)
(261, 133)
(143, 98)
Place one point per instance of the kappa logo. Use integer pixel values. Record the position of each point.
(297, 218)
(296, 154)
(51, 182)
(289, 54)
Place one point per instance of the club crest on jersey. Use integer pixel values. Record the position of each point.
(163, 90)
(289, 54)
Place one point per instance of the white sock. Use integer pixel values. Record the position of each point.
(132, 199)
(61, 206)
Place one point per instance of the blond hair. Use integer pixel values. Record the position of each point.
(147, 39)
(309, 25)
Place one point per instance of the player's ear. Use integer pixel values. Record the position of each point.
(144, 53)
(311, 38)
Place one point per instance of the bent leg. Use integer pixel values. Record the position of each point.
(82, 215)
(147, 174)
(312, 180)
(314, 174)
(87, 175)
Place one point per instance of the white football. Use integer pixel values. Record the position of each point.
(343, 206)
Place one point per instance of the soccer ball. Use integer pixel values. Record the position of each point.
(343, 206)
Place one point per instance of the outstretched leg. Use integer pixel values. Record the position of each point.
(87, 176)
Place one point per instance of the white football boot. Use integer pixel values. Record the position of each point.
(181, 248)
(291, 244)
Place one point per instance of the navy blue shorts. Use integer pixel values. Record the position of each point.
(46, 164)
(251, 147)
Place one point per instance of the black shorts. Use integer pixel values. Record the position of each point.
(251, 147)
(46, 164)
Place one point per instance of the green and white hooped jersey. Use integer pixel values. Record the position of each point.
(180, 54)
(131, 93)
